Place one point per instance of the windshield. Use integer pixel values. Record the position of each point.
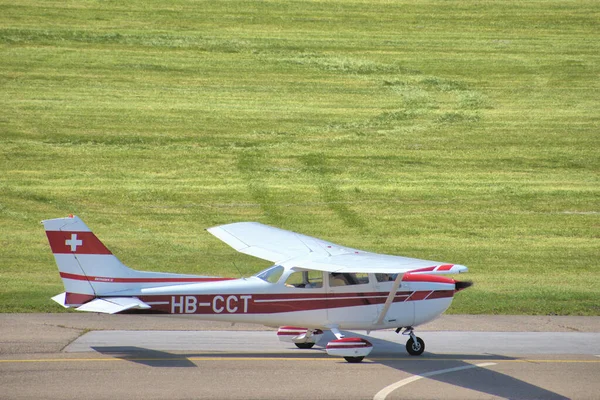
(272, 274)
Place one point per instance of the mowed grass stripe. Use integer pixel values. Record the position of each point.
(451, 131)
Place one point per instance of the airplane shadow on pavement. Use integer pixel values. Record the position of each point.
(389, 353)
(482, 380)
(148, 357)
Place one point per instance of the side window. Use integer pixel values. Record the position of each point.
(336, 279)
(315, 278)
(386, 277)
(305, 279)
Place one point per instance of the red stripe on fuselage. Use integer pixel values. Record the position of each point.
(278, 303)
(440, 294)
(266, 303)
(419, 295)
(107, 279)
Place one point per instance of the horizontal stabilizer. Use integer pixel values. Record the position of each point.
(113, 305)
(60, 299)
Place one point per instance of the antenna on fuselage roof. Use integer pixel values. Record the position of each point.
(238, 270)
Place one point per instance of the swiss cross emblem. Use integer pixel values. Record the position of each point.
(73, 242)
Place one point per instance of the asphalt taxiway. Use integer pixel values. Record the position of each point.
(68, 356)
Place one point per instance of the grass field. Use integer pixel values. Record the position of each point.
(458, 131)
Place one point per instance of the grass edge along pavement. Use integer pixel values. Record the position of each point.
(439, 130)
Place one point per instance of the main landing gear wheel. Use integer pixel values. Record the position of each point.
(354, 359)
(415, 348)
(304, 345)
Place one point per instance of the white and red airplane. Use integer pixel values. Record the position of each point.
(314, 285)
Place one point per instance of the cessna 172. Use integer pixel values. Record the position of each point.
(314, 285)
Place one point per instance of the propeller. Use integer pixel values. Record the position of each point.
(462, 285)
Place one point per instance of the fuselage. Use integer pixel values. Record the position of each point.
(341, 300)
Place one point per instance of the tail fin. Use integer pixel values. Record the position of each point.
(72, 244)
(89, 270)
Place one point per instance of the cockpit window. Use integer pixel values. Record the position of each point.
(345, 279)
(272, 274)
(305, 280)
(385, 277)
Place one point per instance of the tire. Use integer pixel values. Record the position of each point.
(415, 349)
(354, 359)
(304, 345)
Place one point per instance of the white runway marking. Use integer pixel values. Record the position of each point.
(383, 393)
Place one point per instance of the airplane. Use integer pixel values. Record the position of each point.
(313, 285)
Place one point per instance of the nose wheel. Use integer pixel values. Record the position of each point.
(415, 346)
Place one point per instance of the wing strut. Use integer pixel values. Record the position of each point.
(390, 299)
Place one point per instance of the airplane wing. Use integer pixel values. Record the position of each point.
(113, 305)
(269, 243)
(289, 248)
